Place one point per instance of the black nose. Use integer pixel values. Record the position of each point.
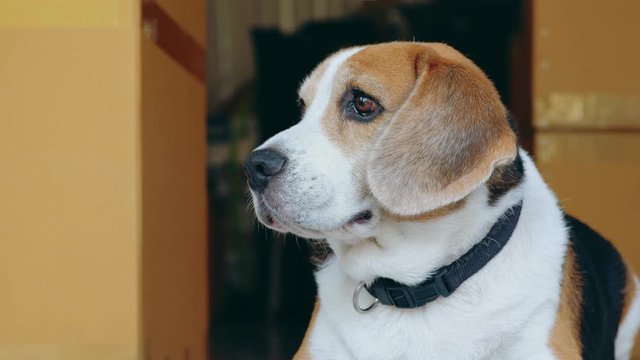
(261, 166)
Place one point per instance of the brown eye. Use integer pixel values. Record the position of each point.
(362, 107)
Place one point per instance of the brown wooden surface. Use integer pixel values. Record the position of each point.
(173, 39)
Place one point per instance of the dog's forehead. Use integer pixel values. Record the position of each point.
(382, 57)
(385, 70)
(310, 84)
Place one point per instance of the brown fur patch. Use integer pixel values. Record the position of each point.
(629, 294)
(442, 130)
(445, 139)
(429, 215)
(303, 352)
(565, 335)
(385, 72)
(504, 178)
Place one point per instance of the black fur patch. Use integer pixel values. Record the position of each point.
(504, 179)
(513, 125)
(507, 177)
(604, 279)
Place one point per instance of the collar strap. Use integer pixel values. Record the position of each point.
(448, 278)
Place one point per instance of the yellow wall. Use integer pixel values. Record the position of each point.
(69, 184)
(175, 283)
(102, 215)
(587, 113)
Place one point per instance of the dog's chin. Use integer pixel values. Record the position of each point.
(273, 220)
(349, 229)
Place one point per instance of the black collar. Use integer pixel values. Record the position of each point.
(447, 278)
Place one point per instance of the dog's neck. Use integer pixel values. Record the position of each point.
(409, 251)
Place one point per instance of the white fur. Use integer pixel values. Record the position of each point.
(317, 195)
(505, 311)
(629, 327)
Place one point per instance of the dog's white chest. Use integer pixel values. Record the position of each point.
(505, 311)
(451, 328)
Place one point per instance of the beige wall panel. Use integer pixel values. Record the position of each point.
(91, 265)
(66, 13)
(175, 285)
(586, 45)
(69, 184)
(596, 176)
(585, 57)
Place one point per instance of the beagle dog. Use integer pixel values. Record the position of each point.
(445, 241)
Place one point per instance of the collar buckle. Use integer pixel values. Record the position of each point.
(389, 292)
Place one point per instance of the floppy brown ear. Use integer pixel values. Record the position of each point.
(444, 141)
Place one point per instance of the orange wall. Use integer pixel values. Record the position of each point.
(175, 283)
(70, 184)
(102, 188)
(587, 113)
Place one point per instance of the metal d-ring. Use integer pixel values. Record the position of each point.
(356, 296)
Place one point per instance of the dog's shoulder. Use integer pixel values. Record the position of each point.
(594, 295)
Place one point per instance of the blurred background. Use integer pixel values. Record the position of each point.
(125, 231)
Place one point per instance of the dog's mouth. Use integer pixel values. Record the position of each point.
(266, 215)
(270, 217)
(270, 220)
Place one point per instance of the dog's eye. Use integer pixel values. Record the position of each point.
(364, 105)
(361, 106)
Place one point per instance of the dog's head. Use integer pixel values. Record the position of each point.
(397, 128)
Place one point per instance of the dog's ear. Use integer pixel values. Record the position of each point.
(445, 139)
